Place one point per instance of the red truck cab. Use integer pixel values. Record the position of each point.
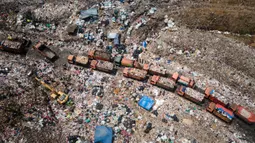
(243, 113)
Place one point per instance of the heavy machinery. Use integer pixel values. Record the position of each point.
(17, 46)
(60, 96)
(191, 94)
(209, 95)
(78, 60)
(243, 113)
(125, 62)
(155, 69)
(134, 73)
(45, 51)
(122, 61)
(99, 55)
(163, 82)
(102, 66)
(221, 112)
(185, 81)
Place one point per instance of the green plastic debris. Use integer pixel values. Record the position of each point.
(69, 102)
(28, 20)
(187, 110)
(48, 25)
(69, 115)
(116, 12)
(87, 120)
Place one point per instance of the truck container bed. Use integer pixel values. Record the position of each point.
(99, 55)
(102, 66)
(221, 112)
(18, 47)
(45, 51)
(194, 95)
(191, 94)
(211, 95)
(163, 82)
(79, 60)
(155, 69)
(135, 73)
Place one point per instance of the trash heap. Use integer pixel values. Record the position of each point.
(106, 107)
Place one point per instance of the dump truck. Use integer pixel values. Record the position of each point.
(125, 62)
(99, 55)
(134, 73)
(78, 60)
(221, 112)
(60, 96)
(122, 61)
(183, 80)
(15, 46)
(155, 69)
(243, 113)
(45, 51)
(102, 66)
(191, 94)
(209, 95)
(163, 82)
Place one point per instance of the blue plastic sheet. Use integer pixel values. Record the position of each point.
(146, 102)
(103, 134)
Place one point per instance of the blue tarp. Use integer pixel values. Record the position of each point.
(144, 44)
(103, 134)
(146, 102)
(222, 111)
(183, 89)
(115, 37)
(212, 91)
(116, 41)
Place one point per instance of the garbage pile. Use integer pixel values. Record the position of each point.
(89, 104)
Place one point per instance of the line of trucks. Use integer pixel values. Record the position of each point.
(103, 61)
(183, 86)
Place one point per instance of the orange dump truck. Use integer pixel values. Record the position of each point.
(79, 60)
(243, 113)
(221, 112)
(99, 55)
(154, 69)
(135, 73)
(209, 95)
(102, 66)
(122, 61)
(163, 82)
(191, 94)
(183, 80)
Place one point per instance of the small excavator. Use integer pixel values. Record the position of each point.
(60, 96)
